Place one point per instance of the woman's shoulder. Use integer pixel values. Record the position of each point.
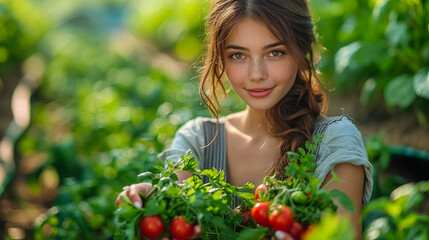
(342, 142)
(195, 125)
(335, 125)
(340, 137)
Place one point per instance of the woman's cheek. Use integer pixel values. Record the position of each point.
(236, 75)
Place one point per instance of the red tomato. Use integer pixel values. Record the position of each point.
(297, 230)
(260, 213)
(245, 222)
(259, 191)
(151, 227)
(180, 229)
(281, 218)
(246, 215)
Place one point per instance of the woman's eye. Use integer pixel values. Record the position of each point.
(237, 56)
(276, 53)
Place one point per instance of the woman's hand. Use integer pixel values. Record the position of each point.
(133, 193)
(280, 235)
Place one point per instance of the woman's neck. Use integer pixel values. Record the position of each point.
(254, 122)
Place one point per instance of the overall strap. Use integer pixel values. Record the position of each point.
(215, 151)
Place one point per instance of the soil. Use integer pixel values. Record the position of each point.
(398, 129)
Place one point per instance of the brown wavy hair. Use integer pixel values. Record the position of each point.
(293, 118)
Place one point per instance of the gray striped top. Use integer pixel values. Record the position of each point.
(342, 142)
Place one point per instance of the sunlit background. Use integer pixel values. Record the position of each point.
(90, 90)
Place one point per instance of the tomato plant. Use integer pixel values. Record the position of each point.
(299, 197)
(180, 229)
(260, 191)
(281, 218)
(260, 213)
(246, 217)
(190, 203)
(151, 227)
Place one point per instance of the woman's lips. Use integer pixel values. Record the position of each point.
(259, 92)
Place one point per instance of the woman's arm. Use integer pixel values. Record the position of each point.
(352, 184)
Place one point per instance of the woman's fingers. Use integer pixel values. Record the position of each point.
(119, 199)
(280, 235)
(133, 193)
(197, 231)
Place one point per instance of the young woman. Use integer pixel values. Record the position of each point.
(266, 50)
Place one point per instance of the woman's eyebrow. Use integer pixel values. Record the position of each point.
(273, 45)
(236, 47)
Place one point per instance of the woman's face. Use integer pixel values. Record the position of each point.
(258, 65)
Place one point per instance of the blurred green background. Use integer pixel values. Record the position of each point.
(92, 90)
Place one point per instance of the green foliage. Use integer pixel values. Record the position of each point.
(379, 46)
(85, 206)
(397, 217)
(302, 190)
(175, 26)
(99, 116)
(333, 227)
(379, 155)
(206, 204)
(22, 24)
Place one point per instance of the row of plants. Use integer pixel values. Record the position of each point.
(85, 206)
(379, 47)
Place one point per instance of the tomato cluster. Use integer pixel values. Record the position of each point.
(276, 216)
(152, 227)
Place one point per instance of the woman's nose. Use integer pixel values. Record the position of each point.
(257, 70)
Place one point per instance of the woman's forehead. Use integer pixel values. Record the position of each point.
(249, 30)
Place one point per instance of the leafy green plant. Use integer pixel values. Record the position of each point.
(380, 47)
(300, 193)
(85, 206)
(206, 204)
(301, 181)
(332, 227)
(22, 25)
(380, 157)
(398, 217)
(291, 205)
(174, 26)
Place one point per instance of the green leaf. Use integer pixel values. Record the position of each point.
(301, 151)
(335, 177)
(145, 176)
(343, 57)
(252, 233)
(421, 83)
(369, 53)
(397, 33)
(343, 199)
(381, 10)
(188, 163)
(399, 91)
(154, 206)
(332, 227)
(368, 91)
